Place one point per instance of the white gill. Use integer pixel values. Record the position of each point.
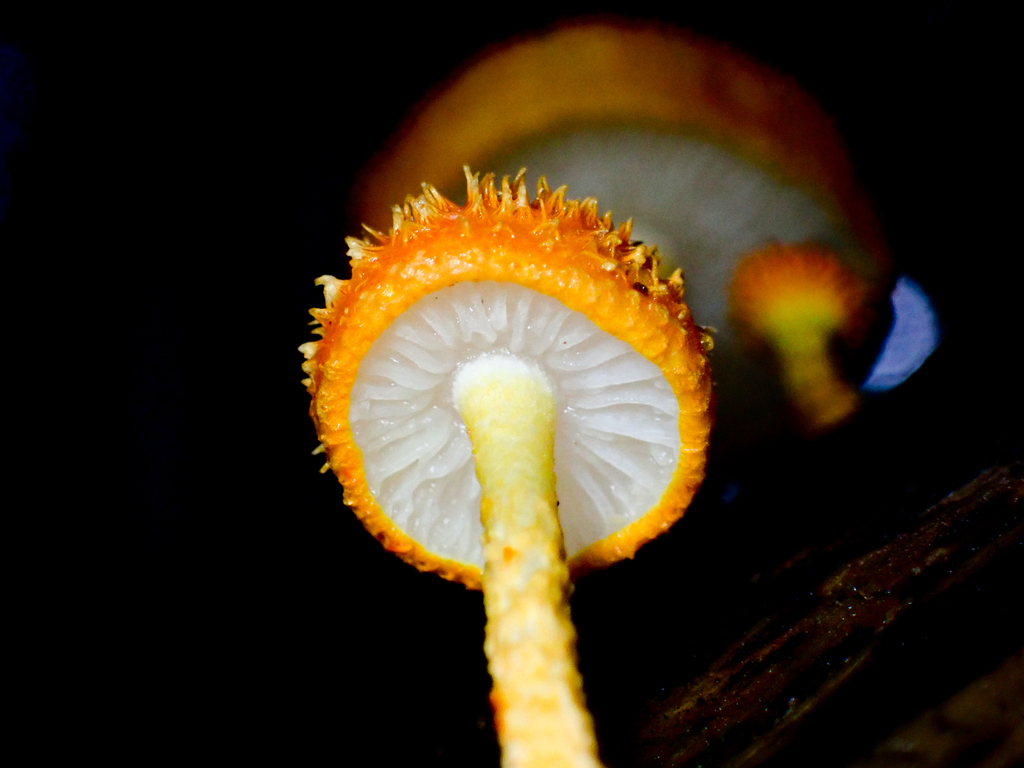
(616, 435)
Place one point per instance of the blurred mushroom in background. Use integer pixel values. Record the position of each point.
(716, 158)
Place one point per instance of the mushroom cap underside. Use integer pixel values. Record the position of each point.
(546, 279)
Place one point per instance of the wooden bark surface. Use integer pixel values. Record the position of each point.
(756, 697)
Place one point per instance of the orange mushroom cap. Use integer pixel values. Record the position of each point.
(556, 248)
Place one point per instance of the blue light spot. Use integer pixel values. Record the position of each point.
(913, 337)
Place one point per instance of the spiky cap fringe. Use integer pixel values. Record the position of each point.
(548, 209)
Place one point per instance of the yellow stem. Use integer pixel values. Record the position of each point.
(817, 389)
(530, 642)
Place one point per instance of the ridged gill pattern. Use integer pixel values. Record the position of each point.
(616, 436)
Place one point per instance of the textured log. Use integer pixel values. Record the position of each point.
(756, 696)
(984, 721)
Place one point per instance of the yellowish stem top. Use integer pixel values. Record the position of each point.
(509, 409)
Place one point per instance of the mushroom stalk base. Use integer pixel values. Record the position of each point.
(530, 642)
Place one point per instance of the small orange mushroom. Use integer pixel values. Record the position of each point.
(510, 394)
(798, 301)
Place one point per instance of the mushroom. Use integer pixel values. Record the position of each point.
(511, 397)
(714, 157)
(797, 302)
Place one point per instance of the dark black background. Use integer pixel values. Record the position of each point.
(193, 586)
